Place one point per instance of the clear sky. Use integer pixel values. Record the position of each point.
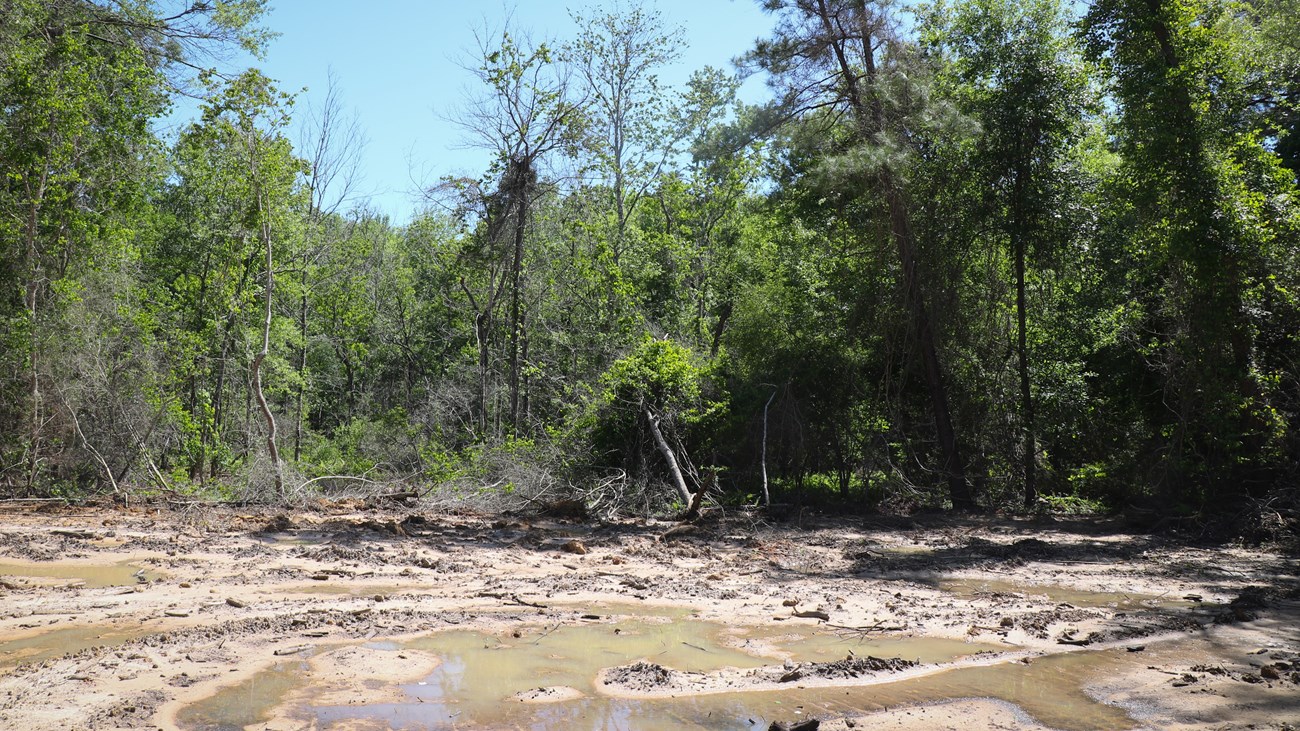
(396, 63)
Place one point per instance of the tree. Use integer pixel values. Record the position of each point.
(617, 54)
(701, 211)
(525, 114)
(659, 387)
(847, 55)
(239, 182)
(75, 91)
(1018, 74)
(332, 144)
(1203, 193)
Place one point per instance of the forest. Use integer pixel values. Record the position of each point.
(1020, 255)
(934, 364)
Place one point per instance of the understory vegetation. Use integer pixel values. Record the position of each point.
(972, 254)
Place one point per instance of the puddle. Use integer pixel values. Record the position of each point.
(65, 574)
(1059, 594)
(59, 642)
(819, 645)
(244, 704)
(1049, 691)
(475, 685)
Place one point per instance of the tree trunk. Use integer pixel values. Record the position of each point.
(526, 381)
(516, 269)
(1029, 446)
(953, 467)
(482, 325)
(767, 497)
(227, 338)
(680, 482)
(871, 120)
(302, 365)
(271, 447)
(480, 332)
(30, 297)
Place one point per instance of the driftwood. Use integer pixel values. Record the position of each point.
(294, 650)
(811, 724)
(863, 631)
(510, 599)
(72, 533)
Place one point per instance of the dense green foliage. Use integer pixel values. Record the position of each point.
(973, 252)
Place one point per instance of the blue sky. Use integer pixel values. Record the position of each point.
(396, 63)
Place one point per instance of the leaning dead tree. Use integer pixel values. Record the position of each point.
(674, 468)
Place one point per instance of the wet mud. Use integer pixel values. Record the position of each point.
(335, 618)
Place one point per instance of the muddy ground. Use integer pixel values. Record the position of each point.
(341, 615)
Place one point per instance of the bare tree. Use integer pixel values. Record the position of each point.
(332, 141)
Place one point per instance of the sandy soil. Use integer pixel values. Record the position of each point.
(1200, 637)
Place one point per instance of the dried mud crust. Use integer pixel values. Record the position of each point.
(857, 667)
(1040, 623)
(285, 628)
(246, 588)
(641, 677)
(648, 679)
(549, 694)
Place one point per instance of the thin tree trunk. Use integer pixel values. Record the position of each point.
(218, 412)
(953, 467)
(302, 365)
(34, 425)
(480, 332)
(482, 319)
(767, 498)
(870, 115)
(1029, 446)
(527, 382)
(30, 296)
(271, 447)
(680, 482)
(521, 213)
(720, 327)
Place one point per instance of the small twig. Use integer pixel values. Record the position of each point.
(862, 631)
(543, 635)
(341, 477)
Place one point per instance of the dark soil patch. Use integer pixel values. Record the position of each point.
(1036, 624)
(640, 676)
(856, 667)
